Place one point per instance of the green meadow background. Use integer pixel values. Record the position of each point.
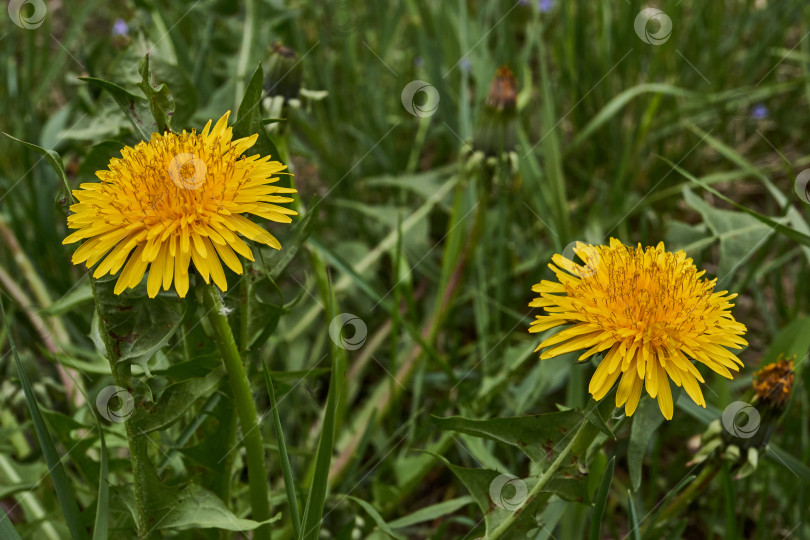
(428, 245)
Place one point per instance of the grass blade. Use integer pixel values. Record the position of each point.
(289, 483)
(61, 484)
(601, 500)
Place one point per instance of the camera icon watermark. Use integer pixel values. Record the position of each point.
(735, 414)
(509, 499)
(578, 251)
(358, 337)
(115, 404)
(187, 171)
(646, 20)
(340, 18)
(28, 14)
(421, 110)
(802, 187)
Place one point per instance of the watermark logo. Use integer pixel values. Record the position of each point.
(738, 412)
(503, 496)
(28, 14)
(187, 171)
(802, 187)
(358, 334)
(340, 18)
(431, 100)
(646, 20)
(115, 404)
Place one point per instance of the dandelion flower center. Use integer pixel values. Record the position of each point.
(177, 199)
(650, 309)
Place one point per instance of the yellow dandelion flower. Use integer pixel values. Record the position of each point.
(176, 199)
(650, 310)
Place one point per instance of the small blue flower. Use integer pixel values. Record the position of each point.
(120, 28)
(759, 112)
(545, 5)
(465, 64)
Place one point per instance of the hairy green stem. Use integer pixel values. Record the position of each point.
(137, 445)
(245, 408)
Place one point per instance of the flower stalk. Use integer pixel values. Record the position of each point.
(245, 408)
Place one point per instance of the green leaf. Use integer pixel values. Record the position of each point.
(432, 512)
(7, 530)
(793, 234)
(737, 233)
(249, 119)
(633, 517)
(137, 325)
(378, 519)
(101, 524)
(61, 484)
(313, 510)
(536, 436)
(289, 482)
(134, 107)
(175, 400)
(646, 421)
(601, 500)
(197, 508)
(649, 532)
(53, 159)
(161, 102)
(792, 340)
(509, 493)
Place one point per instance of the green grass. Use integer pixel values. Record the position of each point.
(434, 249)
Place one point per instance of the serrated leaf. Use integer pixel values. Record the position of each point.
(736, 232)
(138, 326)
(536, 436)
(174, 402)
(135, 108)
(161, 102)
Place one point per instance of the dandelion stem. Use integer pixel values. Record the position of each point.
(137, 445)
(245, 408)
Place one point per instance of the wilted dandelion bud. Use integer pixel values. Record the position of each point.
(283, 73)
(496, 132)
(773, 384)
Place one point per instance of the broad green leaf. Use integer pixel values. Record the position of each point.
(64, 491)
(738, 233)
(536, 436)
(53, 159)
(161, 102)
(175, 400)
(98, 158)
(197, 508)
(137, 325)
(601, 500)
(134, 107)
(509, 499)
(646, 421)
(789, 232)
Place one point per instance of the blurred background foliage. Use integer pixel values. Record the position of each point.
(432, 246)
